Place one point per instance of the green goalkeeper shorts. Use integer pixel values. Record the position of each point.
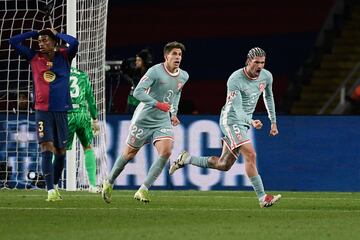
(79, 123)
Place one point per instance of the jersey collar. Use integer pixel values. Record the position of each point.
(171, 74)
(249, 76)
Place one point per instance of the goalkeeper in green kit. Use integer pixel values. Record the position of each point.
(82, 120)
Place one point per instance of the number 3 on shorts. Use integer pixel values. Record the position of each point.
(41, 126)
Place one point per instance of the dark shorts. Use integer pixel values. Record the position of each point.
(52, 127)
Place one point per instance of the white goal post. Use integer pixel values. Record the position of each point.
(19, 152)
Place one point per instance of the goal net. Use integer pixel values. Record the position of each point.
(19, 151)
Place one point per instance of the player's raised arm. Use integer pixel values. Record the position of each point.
(16, 41)
(73, 43)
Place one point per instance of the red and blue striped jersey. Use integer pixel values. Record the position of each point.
(51, 78)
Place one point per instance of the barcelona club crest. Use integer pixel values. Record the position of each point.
(49, 76)
(262, 87)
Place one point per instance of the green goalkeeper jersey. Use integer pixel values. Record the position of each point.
(158, 85)
(242, 96)
(81, 93)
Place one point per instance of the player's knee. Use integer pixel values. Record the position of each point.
(250, 157)
(224, 166)
(128, 156)
(129, 153)
(60, 151)
(165, 153)
(87, 147)
(47, 146)
(227, 167)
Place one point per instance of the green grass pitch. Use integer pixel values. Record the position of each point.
(173, 215)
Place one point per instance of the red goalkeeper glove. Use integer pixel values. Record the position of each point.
(163, 106)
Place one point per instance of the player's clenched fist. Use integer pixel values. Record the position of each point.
(257, 124)
(274, 130)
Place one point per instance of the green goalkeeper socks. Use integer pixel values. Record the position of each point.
(90, 164)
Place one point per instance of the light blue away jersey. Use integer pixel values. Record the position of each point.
(158, 85)
(242, 96)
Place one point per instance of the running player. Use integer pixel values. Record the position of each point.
(159, 92)
(244, 88)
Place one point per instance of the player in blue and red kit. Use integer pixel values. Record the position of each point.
(51, 73)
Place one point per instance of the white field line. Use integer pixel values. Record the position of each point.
(181, 209)
(196, 196)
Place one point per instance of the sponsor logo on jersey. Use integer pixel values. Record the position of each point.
(49, 64)
(49, 76)
(262, 87)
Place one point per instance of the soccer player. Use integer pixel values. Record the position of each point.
(51, 72)
(159, 92)
(82, 120)
(244, 88)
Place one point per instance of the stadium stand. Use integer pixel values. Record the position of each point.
(217, 38)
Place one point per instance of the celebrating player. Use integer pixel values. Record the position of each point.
(82, 120)
(159, 91)
(244, 88)
(51, 72)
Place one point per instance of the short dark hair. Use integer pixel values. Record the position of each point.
(49, 33)
(171, 45)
